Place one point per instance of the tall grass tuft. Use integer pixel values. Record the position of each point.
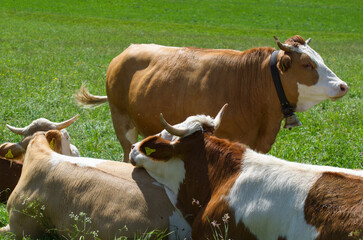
(219, 231)
(79, 229)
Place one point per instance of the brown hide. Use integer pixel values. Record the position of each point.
(179, 82)
(335, 206)
(148, 79)
(9, 177)
(112, 194)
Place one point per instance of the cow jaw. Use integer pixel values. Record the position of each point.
(170, 173)
(329, 86)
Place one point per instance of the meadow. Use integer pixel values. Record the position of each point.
(48, 48)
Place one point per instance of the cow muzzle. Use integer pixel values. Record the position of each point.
(132, 161)
(341, 92)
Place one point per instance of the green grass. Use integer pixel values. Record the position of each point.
(48, 48)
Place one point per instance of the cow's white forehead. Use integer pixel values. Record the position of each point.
(197, 122)
(315, 57)
(193, 123)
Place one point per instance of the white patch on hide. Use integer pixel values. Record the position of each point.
(179, 227)
(131, 135)
(270, 193)
(269, 196)
(79, 161)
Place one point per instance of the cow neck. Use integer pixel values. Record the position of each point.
(204, 179)
(286, 108)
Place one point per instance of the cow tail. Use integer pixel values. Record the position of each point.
(85, 99)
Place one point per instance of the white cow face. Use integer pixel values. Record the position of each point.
(158, 157)
(67, 147)
(329, 86)
(308, 81)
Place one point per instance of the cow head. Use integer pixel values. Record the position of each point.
(16, 151)
(306, 79)
(161, 154)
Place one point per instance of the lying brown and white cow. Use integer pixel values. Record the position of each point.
(112, 194)
(265, 197)
(12, 154)
(147, 79)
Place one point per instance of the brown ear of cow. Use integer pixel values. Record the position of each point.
(285, 62)
(54, 138)
(12, 151)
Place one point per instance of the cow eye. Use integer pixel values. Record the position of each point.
(308, 66)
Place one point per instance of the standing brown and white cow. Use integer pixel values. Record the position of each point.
(12, 154)
(147, 79)
(261, 197)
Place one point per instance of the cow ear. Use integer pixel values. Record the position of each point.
(157, 148)
(285, 63)
(12, 151)
(54, 139)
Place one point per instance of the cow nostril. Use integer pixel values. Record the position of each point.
(343, 88)
(132, 146)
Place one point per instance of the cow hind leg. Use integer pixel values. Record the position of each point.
(22, 225)
(126, 131)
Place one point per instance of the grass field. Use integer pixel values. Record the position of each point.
(48, 48)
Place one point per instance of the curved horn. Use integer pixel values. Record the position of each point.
(284, 47)
(19, 131)
(171, 129)
(218, 118)
(308, 41)
(66, 123)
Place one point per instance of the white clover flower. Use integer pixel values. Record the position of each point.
(225, 218)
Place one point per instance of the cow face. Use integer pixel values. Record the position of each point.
(305, 76)
(16, 151)
(158, 157)
(161, 155)
(59, 141)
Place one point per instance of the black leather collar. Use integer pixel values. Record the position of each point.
(286, 108)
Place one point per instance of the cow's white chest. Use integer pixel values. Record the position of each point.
(268, 197)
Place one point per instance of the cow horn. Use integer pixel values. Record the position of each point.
(173, 130)
(19, 131)
(284, 47)
(66, 123)
(218, 118)
(308, 41)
